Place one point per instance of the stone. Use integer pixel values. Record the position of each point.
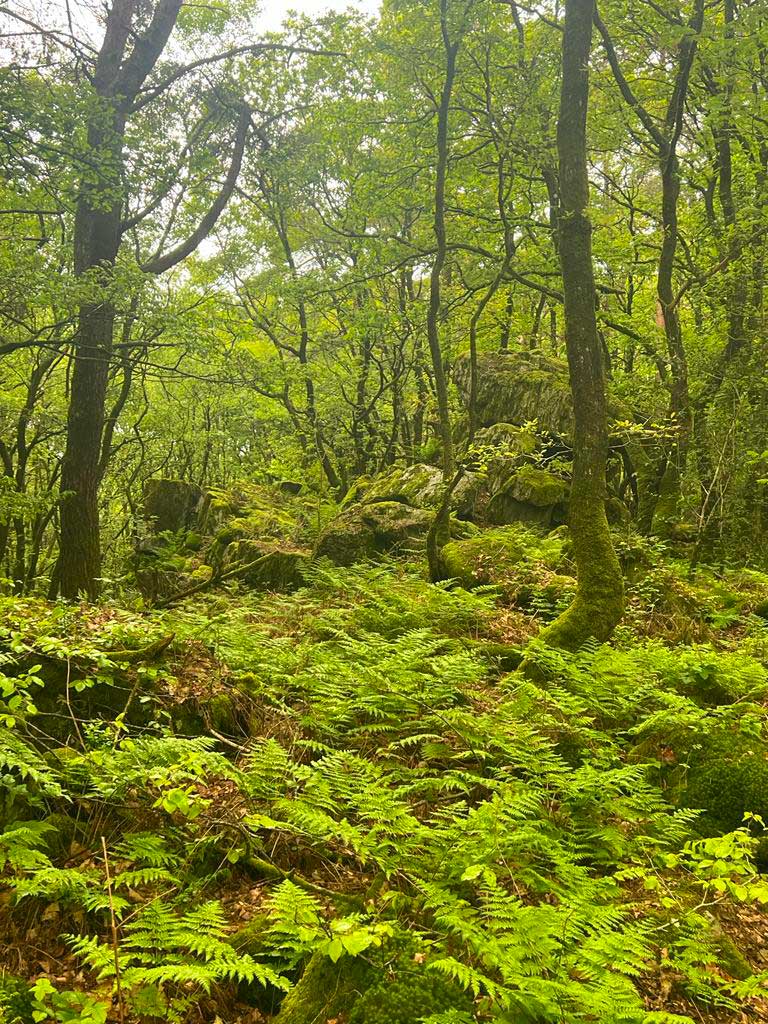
(420, 486)
(367, 530)
(484, 559)
(325, 990)
(171, 505)
(530, 495)
(277, 569)
(522, 563)
(726, 775)
(518, 388)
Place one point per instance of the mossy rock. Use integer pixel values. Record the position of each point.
(522, 387)
(367, 531)
(275, 569)
(489, 558)
(553, 589)
(326, 990)
(726, 776)
(171, 505)
(420, 486)
(509, 437)
(193, 541)
(16, 1004)
(407, 998)
(717, 678)
(222, 713)
(518, 388)
(730, 957)
(530, 495)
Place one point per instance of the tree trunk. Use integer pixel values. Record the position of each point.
(599, 600)
(435, 300)
(96, 243)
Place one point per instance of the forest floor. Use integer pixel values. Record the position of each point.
(215, 795)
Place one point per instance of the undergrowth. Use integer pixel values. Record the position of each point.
(375, 793)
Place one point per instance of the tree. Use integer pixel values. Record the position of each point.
(599, 600)
(128, 54)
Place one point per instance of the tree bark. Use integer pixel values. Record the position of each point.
(599, 601)
(441, 248)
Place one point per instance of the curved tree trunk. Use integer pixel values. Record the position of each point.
(599, 600)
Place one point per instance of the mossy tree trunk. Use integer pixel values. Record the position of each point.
(599, 600)
(434, 311)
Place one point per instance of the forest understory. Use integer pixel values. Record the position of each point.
(351, 792)
(384, 512)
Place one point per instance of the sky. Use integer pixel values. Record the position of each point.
(274, 11)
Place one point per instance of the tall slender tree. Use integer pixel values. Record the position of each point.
(599, 600)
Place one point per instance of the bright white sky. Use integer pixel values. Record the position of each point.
(274, 11)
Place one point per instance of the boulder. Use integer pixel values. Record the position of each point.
(485, 559)
(325, 990)
(255, 511)
(525, 565)
(420, 486)
(508, 438)
(367, 530)
(275, 568)
(519, 387)
(171, 505)
(726, 775)
(529, 495)
(417, 485)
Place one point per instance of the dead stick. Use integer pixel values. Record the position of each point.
(115, 943)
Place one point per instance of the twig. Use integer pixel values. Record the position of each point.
(115, 942)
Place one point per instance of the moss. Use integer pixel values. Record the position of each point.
(171, 505)
(365, 531)
(421, 486)
(509, 437)
(325, 990)
(418, 485)
(530, 495)
(277, 569)
(409, 997)
(518, 388)
(251, 937)
(222, 713)
(537, 486)
(599, 601)
(727, 775)
(228, 535)
(731, 959)
(488, 558)
(16, 1004)
(517, 560)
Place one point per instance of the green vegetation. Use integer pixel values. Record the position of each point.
(383, 466)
